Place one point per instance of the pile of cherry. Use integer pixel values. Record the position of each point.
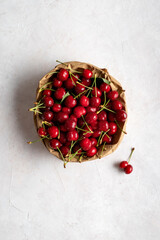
(80, 113)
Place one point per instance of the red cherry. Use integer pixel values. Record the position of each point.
(91, 152)
(62, 117)
(103, 125)
(79, 88)
(113, 128)
(84, 101)
(70, 83)
(85, 144)
(53, 131)
(123, 164)
(48, 101)
(47, 116)
(54, 143)
(121, 116)
(96, 133)
(42, 132)
(79, 111)
(70, 124)
(77, 149)
(73, 117)
(91, 109)
(66, 110)
(116, 105)
(62, 128)
(107, 139)
(105, 87)
(96, 92)
(70, 102)
(112, 95)
(63, 75)
(72, 135)
(111, 117)
(64, 150)
(88, 131)
(94, 125)
(75, 78)
(59, 93)
(56, 107)
(62, 138)
(47, 93)
(95, 101)
(86, 82)
(91, 117)
(102, 115)
(93, 141)
(87, 73)
(57, 83)
(128, 169)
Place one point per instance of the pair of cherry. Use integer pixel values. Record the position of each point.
(125, 164)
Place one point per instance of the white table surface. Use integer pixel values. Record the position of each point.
(39, 199)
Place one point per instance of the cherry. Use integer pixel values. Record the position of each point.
(62, 138)
(79, 88)
(96, 133)
(48, 101)
(63, 74)
(70, 124)
(95, 101)
(66, 110)
(85, 144)
(72, 116)
(93, 141)
(42, 132)
(113, 128)
(116, 105)
(128, 169)
(91, 109)
(57, 83)
(54, 143)
(107, 139)
(62, 128)
(56, 107)
(104, 87)
(94, 125)
(62, 117)
(111, 117)
(64, 150)
(47, 116)
(72, 135)
(79, 111)
(84, 101)
(70, 102)
(102, 115)
(103, 125)
(86, 82)
(70, 83)
(53, 131)
(121, 116)
(96, 92)
(76, 77)
(91, 152)
(88, 131)
(59, 93)
(87, 73)
(112, 95)
(123, 164)
(47, 93)
(91, 117)
(77, 149)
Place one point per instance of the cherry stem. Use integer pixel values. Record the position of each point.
(49, 89)
(52, 73)
(91, 87)
(82, 129)
(40, 139)
(105, 133)
(81, 93)
(61, 63)
(102, 150)
(62, 157)
(86, 123)
(132, 150)
(120, 127)
(46, 123)
(95, 85)
(80, 82)
(42, 88)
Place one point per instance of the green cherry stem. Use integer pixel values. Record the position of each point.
(132, 150)
(120, 127)
(42, 88)
(102, 150)
(95, 85)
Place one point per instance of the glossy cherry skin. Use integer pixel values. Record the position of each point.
(95, 101)
(77, 149)
(121, 116)
(103, 125)
(87, 73)
(85, 144)
(91, 117)
(66, 110)
(57, 83)
(70, 83)
(91, 152)
(56, 107)
(47, 93)
(96, 92)
(96, 133)
(70, 124)
(62, 138)
(111, 117)
(113, 95)
(54, 143)
(128, 169)
(104, 87)
(116, 105)
(73, 117)
(72, 135)
(102, 115)
(93, 141)
(86, 82)
(53, 131)
(113, 128)
(62, 117)
(59, 93)
(48, 101)
(79, 111)
(107, 139)
(123, 164)
(91, 109)
(70, 102)
(88, 131)
(79, 88)
(64, 150)
(47, 116)
(63, 74)
(84, 101)
(42, 132)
